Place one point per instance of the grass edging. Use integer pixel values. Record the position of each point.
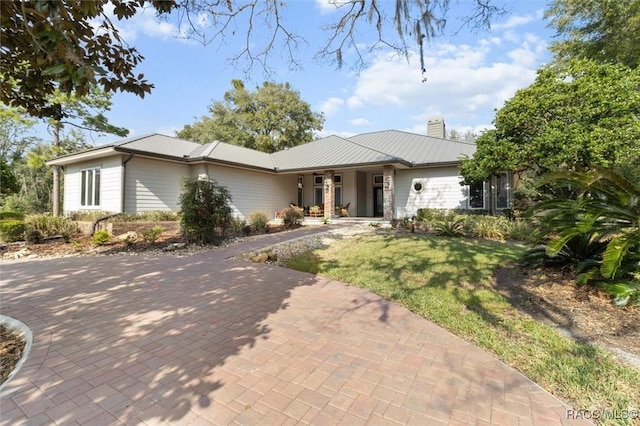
(450, 282)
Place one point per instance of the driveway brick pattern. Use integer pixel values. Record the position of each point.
(211, 340)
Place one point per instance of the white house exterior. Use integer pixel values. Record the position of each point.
(387, 174)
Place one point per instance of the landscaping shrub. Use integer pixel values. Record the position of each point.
(151, 235)
(449, 227)
(33, 236)
(521, 230)
(206, 211)
(292, 217)
(50, 226)
(487, 227)
(11, 215)
(12, 230)
(239, 226)
(150, 216)
(259, 222)
(100, 237)
(592, 228)
(88, 215)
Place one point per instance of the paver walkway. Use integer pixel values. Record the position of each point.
(210, 340)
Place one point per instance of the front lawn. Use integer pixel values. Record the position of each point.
(450, 281)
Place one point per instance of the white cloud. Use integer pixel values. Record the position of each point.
(328, 6)
(331, 106)
(144, 22)
(518, 21)
(359, 122)
(465, 83)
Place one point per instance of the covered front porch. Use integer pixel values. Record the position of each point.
(362, 193)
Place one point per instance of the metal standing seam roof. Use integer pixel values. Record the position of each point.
(388, 146)
(159, 144)
(414, 148)
(332, 151)
(239, 155)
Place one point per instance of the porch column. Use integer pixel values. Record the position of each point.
(388, 173)
(329, 194)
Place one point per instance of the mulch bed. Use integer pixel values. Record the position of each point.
(11, 347)
(585, 313)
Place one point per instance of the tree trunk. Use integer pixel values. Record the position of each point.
(56, 175)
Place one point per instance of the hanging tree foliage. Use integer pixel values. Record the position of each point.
(75, 45)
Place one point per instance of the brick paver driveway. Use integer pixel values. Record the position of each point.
(211, 340)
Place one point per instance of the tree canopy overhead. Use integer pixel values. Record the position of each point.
(574, 116)
(606, 31)
(270, 119)
(75, 45)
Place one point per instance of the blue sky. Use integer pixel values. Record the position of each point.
(469, 74)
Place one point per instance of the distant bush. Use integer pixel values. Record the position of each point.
(150, 216)
(151, 235)
(12, 230)
(292, 217)
(50, 226)
(88, 215)
(33, 236)
(487, 227)
(11, 215)
(239, 226)
(100, 238)
(259, 222)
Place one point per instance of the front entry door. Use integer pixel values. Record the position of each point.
(378, 201)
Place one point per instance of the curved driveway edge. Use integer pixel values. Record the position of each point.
(211, 340)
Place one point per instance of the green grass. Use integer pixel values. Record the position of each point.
(450, 281)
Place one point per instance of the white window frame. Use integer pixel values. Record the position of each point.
(90, 183)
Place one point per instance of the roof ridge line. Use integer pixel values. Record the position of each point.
(212, 145)
(375, 150)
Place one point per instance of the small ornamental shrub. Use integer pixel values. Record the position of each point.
(292, 217)
(150, 216)
(259, 222)
(12, 230)
(206, 211)
(239, 226)
(33, 236)
(100, 238)
(449, 228)
(88, 215)
(51, 226)
(487, 227)
(151, 235)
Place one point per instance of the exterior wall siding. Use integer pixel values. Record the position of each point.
(254, 191)
(153, 185)
(441, 190)
(110, 185)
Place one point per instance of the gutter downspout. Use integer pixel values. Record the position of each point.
(124, 181)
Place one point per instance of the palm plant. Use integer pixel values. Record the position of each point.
(597, 229)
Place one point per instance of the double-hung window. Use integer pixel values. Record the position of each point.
(90, 187)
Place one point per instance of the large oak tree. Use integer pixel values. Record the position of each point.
(271, 118)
